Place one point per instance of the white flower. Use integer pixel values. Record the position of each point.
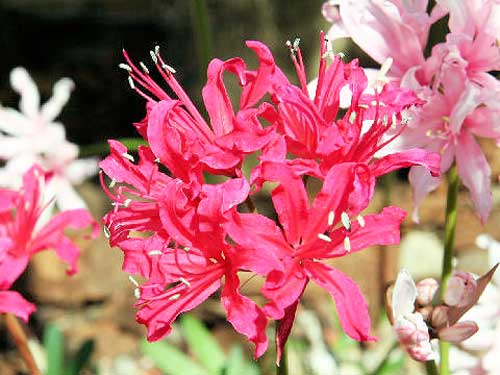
(31, 135)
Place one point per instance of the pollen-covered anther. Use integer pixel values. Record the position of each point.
(222, 255)
(127, 202)
(128, 156)
(133, 281)
(174, 297)
(186, 248)
(296, 43)
(352, 117)
(324, 237)
(157, 50)
(137, 293)
(331, 218)
(361, 221)
(153, 57)
(347, 244)
(112, 183)
(154, 252)
(125, 67)
(144, 67)
(346, 222)
(168, 68)
(157, 160)
(131, 83)
(341, 55)
(185, 282)
(213, 260)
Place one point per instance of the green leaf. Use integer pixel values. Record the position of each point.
(202, 344)
(81, 358)
(237, 364)
(170, 359)
(53, 341)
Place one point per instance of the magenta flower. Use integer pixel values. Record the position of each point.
(310, 234)
(22, 236)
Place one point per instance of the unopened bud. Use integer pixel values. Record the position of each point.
(458, 332)
(439, 317)
(425, 311)
(461, 289)
(426, 290)
(413, 335)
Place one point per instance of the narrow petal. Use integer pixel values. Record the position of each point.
(475, 173)
(284, 328)
(422, 184)
(13, 303)
(21, 81)
(245, 316)
(60, 96)
(349, 301)
(405, 159)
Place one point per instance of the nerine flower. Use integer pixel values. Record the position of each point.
(22, 234)
(31, 136)
(454, 81)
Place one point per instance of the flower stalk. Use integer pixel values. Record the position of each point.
(449, 239)
(21, 343)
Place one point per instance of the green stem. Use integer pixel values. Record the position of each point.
(203, 33)
(430, 368)
(102, 148)
(449, 239)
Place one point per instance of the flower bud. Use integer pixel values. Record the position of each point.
(439, 317)
(413, 334)
(461, 289)
(426, 290)
(426, 312)
(458, 332)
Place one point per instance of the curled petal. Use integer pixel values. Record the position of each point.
(13, 303)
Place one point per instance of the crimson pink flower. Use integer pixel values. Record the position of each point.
(309, 235)
(22, 236)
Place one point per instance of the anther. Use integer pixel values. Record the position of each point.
(186, 248)
(175, 296)
(131, 83)
(346, 222)
(185, 282)
(128, 156)
(137, 293)
(361, 221)
(154, 252)
(296, 43)
(144, 67)
(127, 202)
(222, 255)
(169, 68)
(157, 50)
(106, 231)
(133, 281)
(288, 44)
(352, 117)
(213, 260)
(347, 244)
(331, 218)
(112, 183)
(153, 57)
(324, 237)
(125, 67)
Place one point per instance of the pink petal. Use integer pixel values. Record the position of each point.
(422, 184)
(349, 301)
(475, 173)
(395, 161)
(11, 267)
(458, 332)
(245, 316)
(13, 303)
(284, 328)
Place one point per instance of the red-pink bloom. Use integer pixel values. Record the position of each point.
(22, 235)
(309, 234)
(181, 138)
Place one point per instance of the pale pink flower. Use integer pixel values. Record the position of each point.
(32, 136)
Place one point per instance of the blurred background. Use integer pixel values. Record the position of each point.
(90, 317)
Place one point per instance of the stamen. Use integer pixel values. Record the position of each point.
(222, 255)
(361, 221)
(346, 222)
(324, 237)
(186, 248)
(347, 244)
(127, 202)
(175, 296)
(128, 156)
(296, 43)
(153, 57)
(131, 83)
(144, 67)
(125, 67)
(137, 293)
(157, 50)
(185, 282)
(133, 281)
(112, 183)
(331, 218)
(352, 117)
(213, 260)
(157, 160)
(154, 252)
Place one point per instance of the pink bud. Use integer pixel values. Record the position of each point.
(330, 12)
(458, 332)
(426, 312)
(439, 317)
(461, 289)
(426, 290)
(413, 334)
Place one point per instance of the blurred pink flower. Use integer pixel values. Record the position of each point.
(31, 136)
(22, 235)
(454, 80)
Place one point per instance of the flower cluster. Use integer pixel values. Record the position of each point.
(184, 235)
(23, 234)
(31, 136)
(418, 316)
(454, 80)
